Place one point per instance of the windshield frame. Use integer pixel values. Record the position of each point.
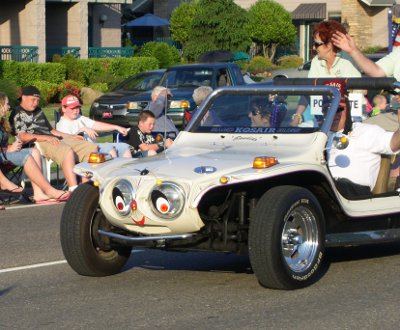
(248, 90)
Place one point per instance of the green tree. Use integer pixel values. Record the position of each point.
(181, 21)
(269, 26)
(219, 24)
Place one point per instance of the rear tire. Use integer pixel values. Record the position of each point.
(87, 252)
(287, 238)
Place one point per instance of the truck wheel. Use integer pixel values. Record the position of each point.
(287, 238)
(87, 252)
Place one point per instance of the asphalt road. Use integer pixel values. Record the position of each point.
(197, 290)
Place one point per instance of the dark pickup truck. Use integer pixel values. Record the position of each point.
(182, 80)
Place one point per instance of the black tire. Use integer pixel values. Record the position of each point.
(287, 238)
(87, 252)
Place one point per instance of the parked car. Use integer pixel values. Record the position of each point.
(182, 80)
(302, 70)
(112, 107)
(232, 187)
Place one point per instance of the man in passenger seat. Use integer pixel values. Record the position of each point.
(356, 167)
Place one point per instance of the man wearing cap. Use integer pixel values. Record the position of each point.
(72, 122)
(29, 122)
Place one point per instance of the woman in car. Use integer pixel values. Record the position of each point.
(329, 61)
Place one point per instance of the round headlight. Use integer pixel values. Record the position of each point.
(122, 195)
(95, 105)
(167, 200)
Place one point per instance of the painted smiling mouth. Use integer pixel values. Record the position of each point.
(140, 222)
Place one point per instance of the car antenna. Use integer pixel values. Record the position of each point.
(165, 111)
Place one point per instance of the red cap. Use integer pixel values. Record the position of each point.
(71, 101)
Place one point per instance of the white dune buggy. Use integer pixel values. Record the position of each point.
(228, 185)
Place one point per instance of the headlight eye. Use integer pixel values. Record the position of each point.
(122, 196)
(167, 200)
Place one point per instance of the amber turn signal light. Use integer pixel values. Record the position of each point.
(96, 158)
(264, 162)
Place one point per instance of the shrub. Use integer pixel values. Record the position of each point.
(290, 61)
(10, 89)
(372, 49)
(23, 74)
(165, 54)
(56, 58)
(74, 69)
(52, 72)
(259, 64)
(102, 87)
(68, 87)
(47, 90)
(115, 69)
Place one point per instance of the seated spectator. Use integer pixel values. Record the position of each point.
(210, 118)
(72, 122)
(379, 104)
(200, 94)
(29, 122)
(141, 139)
(29, 159)
(157, 107)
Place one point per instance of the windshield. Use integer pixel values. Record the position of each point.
(140, 82)
(266, 110)
(187, 77)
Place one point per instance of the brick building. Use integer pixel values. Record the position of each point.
(53, 24)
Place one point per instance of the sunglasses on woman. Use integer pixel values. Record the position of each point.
(316, 43)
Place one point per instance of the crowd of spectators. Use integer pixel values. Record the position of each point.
(74, 137)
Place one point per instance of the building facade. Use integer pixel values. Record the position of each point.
(53, 25)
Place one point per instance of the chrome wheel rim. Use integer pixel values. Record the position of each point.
(299, 242)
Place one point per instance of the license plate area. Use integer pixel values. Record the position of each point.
(106, 114)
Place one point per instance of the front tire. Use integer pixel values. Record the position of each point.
(287, 238)
(87, 252)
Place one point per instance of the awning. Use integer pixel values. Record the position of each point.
(310, 11)
(148, 20)
(379, 3)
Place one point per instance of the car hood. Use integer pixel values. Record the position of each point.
(197, 159)
(118, 96)
(177, 94)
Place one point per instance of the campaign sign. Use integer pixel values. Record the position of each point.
(356, 103)
(316, 104)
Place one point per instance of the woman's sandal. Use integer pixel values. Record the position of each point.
(16, 191)
(63, 197)
(46, 201)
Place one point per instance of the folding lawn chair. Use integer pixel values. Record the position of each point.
(15, 174)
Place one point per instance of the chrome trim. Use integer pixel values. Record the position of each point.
(142, 238)
(363, 237)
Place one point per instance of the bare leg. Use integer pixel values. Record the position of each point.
(41, 188)
(113, 153)
(37, 157)
(127, 154)
(67, 167)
